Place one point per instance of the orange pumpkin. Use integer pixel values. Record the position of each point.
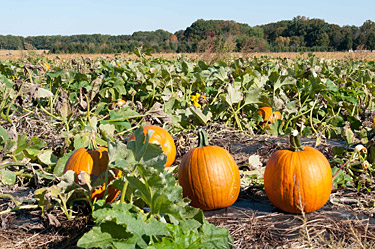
(164, 139)
(209, 176)
(298, 179)
(268, 115)
(94, 162)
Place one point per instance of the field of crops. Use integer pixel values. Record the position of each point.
(50, 107)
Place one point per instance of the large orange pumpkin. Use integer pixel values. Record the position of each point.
(209, 176)
(298, 179)
(268, 115)
(164, 139)
(94, 162)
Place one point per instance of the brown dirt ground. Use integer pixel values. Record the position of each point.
(346, 221)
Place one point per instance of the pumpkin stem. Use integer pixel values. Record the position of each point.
(295, 141)
(202, 138)
(92, 144)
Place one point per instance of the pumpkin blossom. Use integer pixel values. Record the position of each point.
(195, 99)
(46, 67)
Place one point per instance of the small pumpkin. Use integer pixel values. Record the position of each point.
(209, 176)
(164, 139)
(268, 115)
(298, 179)
(94, 161)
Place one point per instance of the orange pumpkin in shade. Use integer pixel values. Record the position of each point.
(268, 115)
(209, 176)
(298, 179)
(94, 161)
(164, 139)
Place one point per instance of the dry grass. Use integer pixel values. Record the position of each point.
(369, 56)
(321, 229)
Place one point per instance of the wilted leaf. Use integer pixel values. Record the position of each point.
(254, 161)
(43, 93)
(95, 86)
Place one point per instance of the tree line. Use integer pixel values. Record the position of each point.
(299, 34)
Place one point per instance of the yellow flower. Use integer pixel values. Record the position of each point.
(118, 103)
(197, 104)
(46, 66)
(196, 98)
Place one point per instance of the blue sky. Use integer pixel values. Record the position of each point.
(55, 17)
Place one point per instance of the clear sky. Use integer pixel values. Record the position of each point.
(56, 17)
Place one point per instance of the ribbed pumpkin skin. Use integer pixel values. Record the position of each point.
(94, 162)
(266, 112)
(164, 139)
(304, 176)
(209, 176)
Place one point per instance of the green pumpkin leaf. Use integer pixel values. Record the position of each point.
(203, 118)
(60, 164)
(215, 237)
(253, 96)
(95, 238)
(3, 135)
(233, 96)
(81, 140)
(146, 153)
(7, 177)
(47, 157)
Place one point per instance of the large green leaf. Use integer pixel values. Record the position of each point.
(234, 95)
(95, 238)
(146, 153)
(7, 177)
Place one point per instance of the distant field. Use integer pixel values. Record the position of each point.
(369, 56)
